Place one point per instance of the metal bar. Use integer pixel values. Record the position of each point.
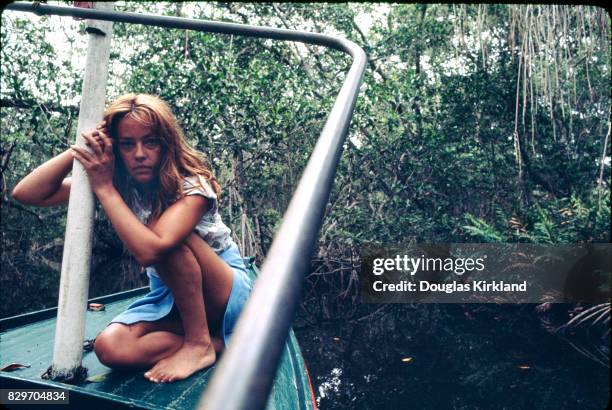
(191, 24)
(244, 376)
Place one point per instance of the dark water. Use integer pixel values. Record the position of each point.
(455, 357)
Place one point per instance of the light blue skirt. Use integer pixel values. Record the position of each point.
(158, 303)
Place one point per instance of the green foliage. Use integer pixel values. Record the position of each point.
(431, 154)
(566, 220)
(481, 230)
(570, 220)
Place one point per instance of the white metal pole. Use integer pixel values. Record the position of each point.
(74, 281)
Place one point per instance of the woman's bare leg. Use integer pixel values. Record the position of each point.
(201, 283)
(142, 344)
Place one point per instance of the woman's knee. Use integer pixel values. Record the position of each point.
(179, 258)
(112, 346)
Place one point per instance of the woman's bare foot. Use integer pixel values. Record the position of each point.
(190, 358)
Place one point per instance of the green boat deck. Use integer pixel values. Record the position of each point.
(31, 343)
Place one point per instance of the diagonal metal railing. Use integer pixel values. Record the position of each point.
(244, 376)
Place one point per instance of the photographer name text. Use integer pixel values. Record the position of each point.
(450, 287)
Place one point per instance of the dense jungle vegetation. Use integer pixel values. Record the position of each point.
(475, 123)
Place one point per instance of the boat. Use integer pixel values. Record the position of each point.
(26, 342)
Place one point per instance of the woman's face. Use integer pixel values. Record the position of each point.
(140, 149)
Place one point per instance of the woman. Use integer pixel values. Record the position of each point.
(162, 201)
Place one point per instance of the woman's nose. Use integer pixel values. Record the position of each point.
(140, 153)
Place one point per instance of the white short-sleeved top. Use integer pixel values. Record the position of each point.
(210, 227)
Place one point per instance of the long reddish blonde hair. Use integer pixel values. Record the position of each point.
(179, 160)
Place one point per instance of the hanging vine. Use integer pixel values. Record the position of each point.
(553, 44)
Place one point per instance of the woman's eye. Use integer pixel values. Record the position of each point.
(126, 144)
(152, 143)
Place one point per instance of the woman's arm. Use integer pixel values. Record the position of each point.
(147, 244)
(47, 185)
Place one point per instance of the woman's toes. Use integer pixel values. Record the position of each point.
(152, 376)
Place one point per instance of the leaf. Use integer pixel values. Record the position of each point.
(14, 366)
(96, 307)
(97, 378)
(88, 344)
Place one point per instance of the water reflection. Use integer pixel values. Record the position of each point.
(452, 356)
(330, 385)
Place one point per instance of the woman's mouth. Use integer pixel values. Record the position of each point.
(142, 169)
